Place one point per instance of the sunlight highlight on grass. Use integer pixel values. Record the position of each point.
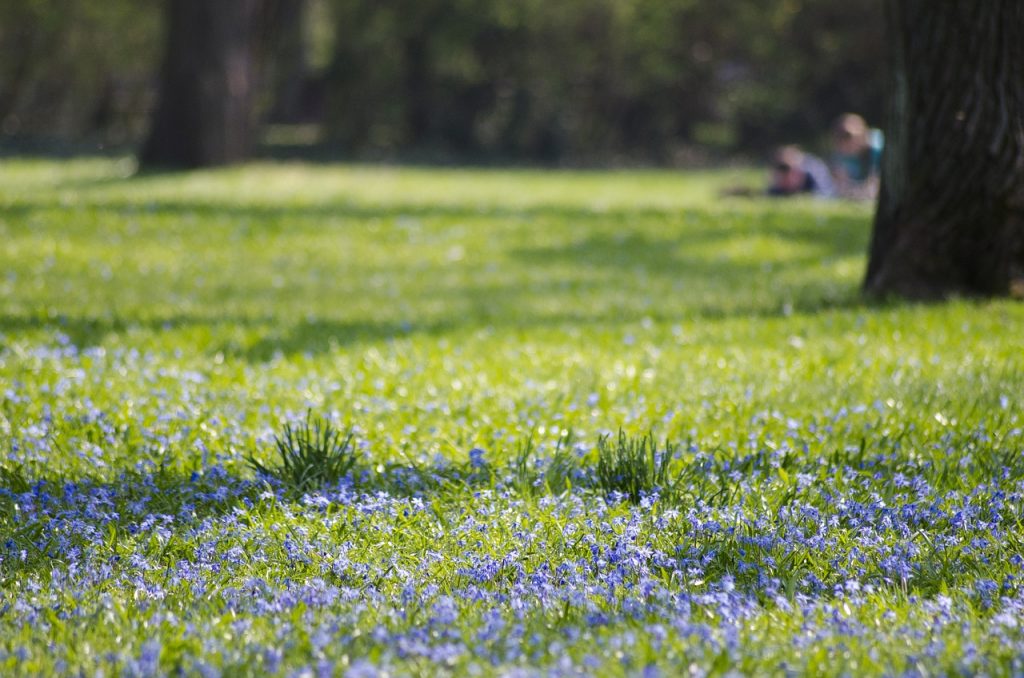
(842, 494)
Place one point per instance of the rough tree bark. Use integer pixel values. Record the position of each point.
(206, 100)
(950, 217)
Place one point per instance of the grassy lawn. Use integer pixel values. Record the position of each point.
(843, 492)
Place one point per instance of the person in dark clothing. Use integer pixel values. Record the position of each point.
(795, 172)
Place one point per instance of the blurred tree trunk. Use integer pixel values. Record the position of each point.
(950, 217)
(17, 75)
(205, 111)
(416, 53)
(289, 70)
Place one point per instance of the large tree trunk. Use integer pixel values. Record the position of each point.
(205, 111)
(950, 217)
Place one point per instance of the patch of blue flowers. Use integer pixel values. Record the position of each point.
(794, 551)
(210, 572)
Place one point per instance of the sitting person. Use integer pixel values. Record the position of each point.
(797, 173)
(857, 160)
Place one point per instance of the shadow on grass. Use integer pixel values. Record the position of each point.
(45, 516)
(280, 337)
(598, 279)
(319, 336)
(836, 235)
(44, 519)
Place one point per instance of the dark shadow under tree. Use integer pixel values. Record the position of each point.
(950, 218)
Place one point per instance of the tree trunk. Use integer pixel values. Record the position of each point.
(950, 216)
(416, 53)
(205, 112)
(289, 71)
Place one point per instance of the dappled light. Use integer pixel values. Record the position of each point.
(483, 338)
(398, 399)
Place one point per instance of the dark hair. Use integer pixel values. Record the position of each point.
(786, 158)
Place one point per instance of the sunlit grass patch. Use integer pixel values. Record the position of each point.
(601, 423)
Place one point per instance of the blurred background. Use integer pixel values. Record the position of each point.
(563, 82)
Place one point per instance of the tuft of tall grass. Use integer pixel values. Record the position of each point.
(562, 467)
(311, 454)
(634, 466)
(13, 479)
(553, 474)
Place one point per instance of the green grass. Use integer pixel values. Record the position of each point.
(310, 455)
(158, 332)
(635, 466)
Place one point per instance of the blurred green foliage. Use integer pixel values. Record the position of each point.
(580, 80)
(77, 68)
(573, 81)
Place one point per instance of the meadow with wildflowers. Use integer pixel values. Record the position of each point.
(574, 424)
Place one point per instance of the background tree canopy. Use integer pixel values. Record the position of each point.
(577, 81)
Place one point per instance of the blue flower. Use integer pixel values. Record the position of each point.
(476, 458)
